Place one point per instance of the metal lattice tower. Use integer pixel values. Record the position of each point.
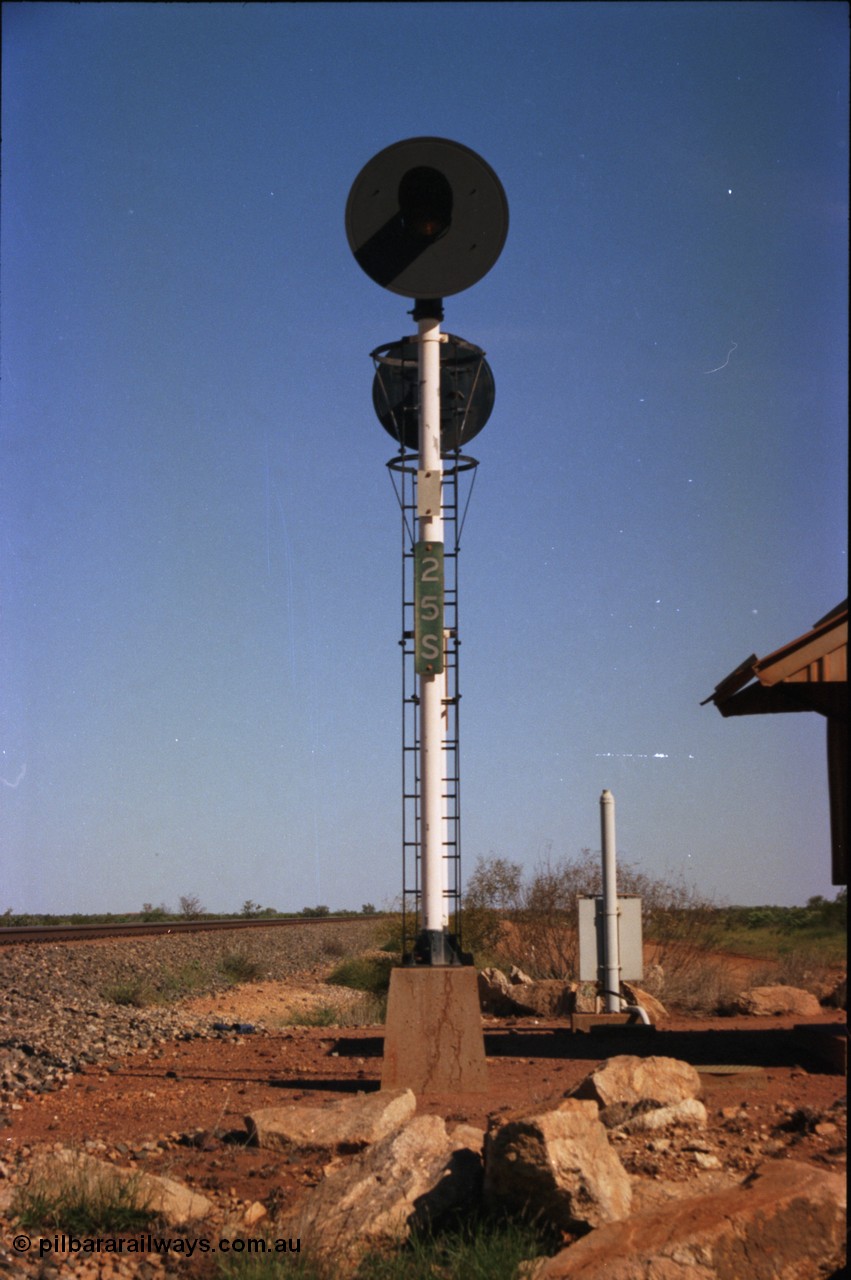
(466, 398)
(403, 470)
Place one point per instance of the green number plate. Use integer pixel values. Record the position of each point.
(428, 608)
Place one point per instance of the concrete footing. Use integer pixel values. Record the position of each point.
(433, 1041)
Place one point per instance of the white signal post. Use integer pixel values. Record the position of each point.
(427, 218)
(612, 969)
(432, 686)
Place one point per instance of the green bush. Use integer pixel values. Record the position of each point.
(136, 993)
(239, 966)
(363, 973)
(322, 1015)
(175, 984)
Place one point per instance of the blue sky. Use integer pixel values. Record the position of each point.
(200, 542)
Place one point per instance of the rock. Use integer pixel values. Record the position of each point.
(654, 1008)
(522, 995)
(517, 977)
(558, 1164)
(166, 1198)
(650, 1194)
(584, 998)
(495, 994)
(837, 997)
(546, 998)
(686, 1114)
(255, 1212)
(349, 1124)
(627, 1078)
(763, 1002)
(787, 1220)
(406, 1180)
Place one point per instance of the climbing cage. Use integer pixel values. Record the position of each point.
(467, 396)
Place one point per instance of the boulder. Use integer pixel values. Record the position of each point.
(521, 996)
(786, 1220)
(654, 1008)
(558, 1164)
(764, 1002)
(628, 1078)
(584, 998)
(347, 1125)
(62, 1169)
(406, 1180)
(546, 998)
(495, 993)
(517, 977)
(688, 1114)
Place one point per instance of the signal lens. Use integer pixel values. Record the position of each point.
(425, 202)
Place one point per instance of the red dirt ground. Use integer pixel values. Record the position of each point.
(188, 1100)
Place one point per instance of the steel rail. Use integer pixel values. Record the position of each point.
(81, 932)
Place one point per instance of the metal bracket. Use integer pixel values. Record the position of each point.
(428, 494)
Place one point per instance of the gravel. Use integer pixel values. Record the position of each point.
(63, 1006)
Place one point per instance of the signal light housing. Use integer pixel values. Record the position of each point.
(426, 218)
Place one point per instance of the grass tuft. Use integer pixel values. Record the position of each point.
(477, 1248)
(82, 1202)
(140, 991)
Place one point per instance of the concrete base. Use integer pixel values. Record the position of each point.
(433, 1041)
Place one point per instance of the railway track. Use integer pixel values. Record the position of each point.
(142, 929)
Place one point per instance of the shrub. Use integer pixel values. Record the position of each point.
(706, 988)
(174, 984)
(389, 935)
(367, 1011)
(239, 966)
(136, 993)
(534, 924)
(141, 991)
(150, 913)
(334, 947)
(321, 1015)
(369, 973)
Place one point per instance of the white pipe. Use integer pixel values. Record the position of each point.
(611, 957)
(434, 916)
